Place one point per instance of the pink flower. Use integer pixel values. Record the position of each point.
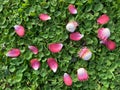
(13, 53)
(111, 45)
(44, 17)
(103, 33)
(52, 63)
(76, 36)
(103, 19)
(71, 26)
(35, 64)
(34, 49)
(55, 47)
(20, 31)
(67, 79)
(85, 53)
(82, 74)
(72, 9)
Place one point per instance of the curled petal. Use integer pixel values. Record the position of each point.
(76, 36)
(71, 26)
(85, 53)
(13, 53)
(103, 33)
(34, 49)
(35, 64)
(103, 19)
(111, 45)
(82, 74)
(55, 47)
(67, 79)
(52, 63)
(20, 31)
(72, 9)
(44, 17)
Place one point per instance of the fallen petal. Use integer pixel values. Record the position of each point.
(82, 74)
(20, 31)
(13, 52)
(55, 47)
(103, 33)
(34, 49)
(103, 19)
(35, 64)
(111, 45)
(44, 17)
(76, 36)
(72, 9)
(67, 79)
(52, 63)
(71, 26)
(85, 53)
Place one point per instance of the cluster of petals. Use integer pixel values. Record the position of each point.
(104, 33)
(71, 26)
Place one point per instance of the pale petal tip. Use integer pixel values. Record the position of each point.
(16, 26)
(54, 70)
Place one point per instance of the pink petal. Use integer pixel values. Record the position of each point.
(44, 17)
(34, 49)
(72, 9)
(82, 74)
(85, 53)
(111, 45)
(20, 31)
(52, 63)
(103, 19)
(35, 64)
(76, 36)
(103, 33)
(55, 47)
(13, 52)
(71, 26)
(67, 79)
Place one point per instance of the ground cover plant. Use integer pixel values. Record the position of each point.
(45, 54)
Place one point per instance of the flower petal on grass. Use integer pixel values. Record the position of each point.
(85, 53)
(103, 19)
(13, 53)
(67, 79)
(72, 9)
(20, 31)
(76, 36)
(55, 47)
(71, 26)
(103, 33)
(44, 17)
(52, 63)
(35, 64)
(82, 74)
(34, 49)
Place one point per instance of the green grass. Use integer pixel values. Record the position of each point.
(103, 68)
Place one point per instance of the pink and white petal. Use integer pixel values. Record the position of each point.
(103, 19)
(85, 53)
(67, 79)
(52, 63)
(35, 64)
(44, 17)
(103, 34)
(72, 9)
(13, 53)
(76, 36)
(34, 49)
(82, 74)
(55, 47)
(71, 26)
(20, 31)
